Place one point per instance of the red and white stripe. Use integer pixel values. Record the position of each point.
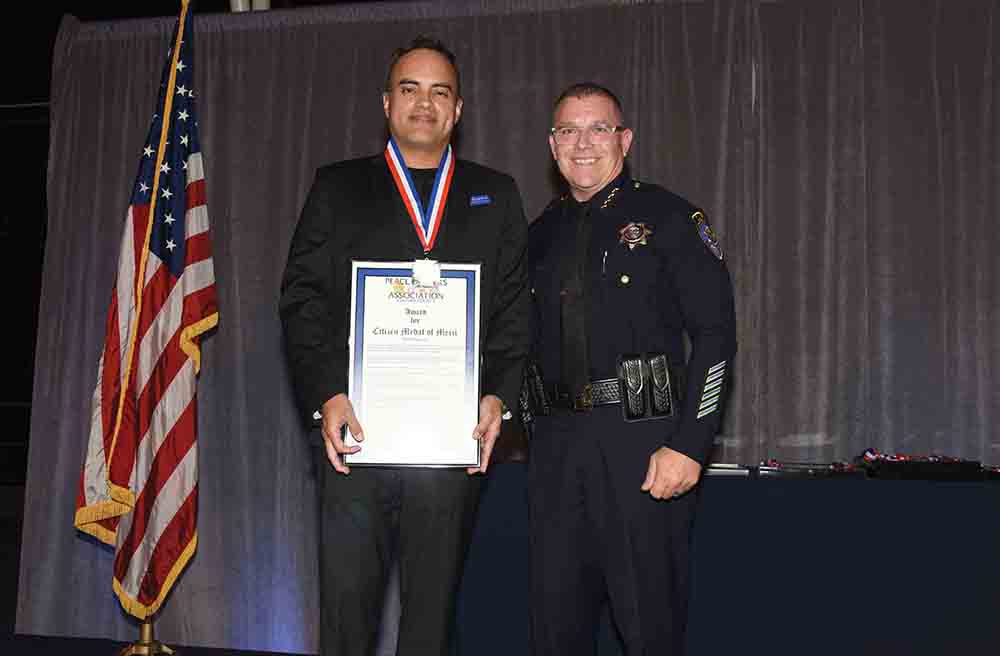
(139, 485)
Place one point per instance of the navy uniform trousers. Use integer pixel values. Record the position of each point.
(597, 538)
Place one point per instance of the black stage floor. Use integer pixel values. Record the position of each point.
(20, 645)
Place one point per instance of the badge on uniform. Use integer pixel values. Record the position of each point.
(634, 234)
(706, 233)
(481, 199)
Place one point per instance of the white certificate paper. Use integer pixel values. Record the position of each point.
(414, 365)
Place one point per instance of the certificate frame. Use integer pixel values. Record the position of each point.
(415, 392)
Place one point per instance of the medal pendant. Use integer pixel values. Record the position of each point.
(426, 273)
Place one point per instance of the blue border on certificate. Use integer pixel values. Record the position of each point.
(470, 314)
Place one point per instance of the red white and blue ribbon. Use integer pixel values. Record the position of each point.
(426, 223)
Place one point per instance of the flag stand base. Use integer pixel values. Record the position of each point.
(146, 645)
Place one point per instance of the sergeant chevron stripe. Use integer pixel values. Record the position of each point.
(712, 389)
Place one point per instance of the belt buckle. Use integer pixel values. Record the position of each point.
(584, 401)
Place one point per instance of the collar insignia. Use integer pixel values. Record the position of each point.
(634, 234)
(607, 201)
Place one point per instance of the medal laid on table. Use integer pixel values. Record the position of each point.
(426, 221)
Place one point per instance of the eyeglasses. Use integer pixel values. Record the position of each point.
(598, 133)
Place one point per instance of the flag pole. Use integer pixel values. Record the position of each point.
(146, 645)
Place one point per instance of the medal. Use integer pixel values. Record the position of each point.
(426, 272)
(426, 223)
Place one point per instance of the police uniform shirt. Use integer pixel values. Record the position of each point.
(652, 270)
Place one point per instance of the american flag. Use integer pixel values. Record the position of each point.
(139, 487)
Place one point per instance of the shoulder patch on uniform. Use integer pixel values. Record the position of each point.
(706, 233)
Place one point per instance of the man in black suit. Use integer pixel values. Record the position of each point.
(355, 211)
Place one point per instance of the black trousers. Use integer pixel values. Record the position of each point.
(596, 538)
(425, 518)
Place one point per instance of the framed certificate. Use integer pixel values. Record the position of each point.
(413, 376)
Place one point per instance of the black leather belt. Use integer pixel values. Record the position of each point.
(604, 391)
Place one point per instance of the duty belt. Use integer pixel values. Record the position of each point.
(646, 386)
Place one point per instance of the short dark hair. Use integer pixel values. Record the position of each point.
(423, 42)
(584, 89)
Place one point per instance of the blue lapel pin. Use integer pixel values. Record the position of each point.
(481, 199)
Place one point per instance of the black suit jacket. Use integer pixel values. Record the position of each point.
(354, 211)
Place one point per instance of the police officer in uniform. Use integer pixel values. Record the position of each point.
(620, 270)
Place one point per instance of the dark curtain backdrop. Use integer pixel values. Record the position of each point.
(875, 276)
(847, 152)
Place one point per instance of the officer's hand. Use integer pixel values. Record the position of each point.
(337, 412)
(670, 474)
(487, 430)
